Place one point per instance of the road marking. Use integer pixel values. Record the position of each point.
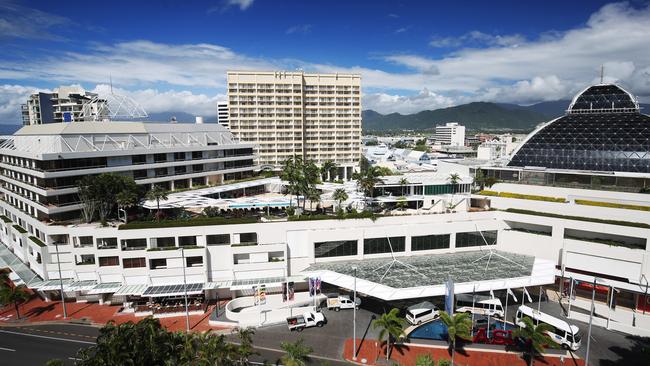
(46, 337)
(74, 359)
(281, 351)
(7, 349)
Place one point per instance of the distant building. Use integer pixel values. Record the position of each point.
(451, 134)
(63, 105)
(316, 116)
(222, 114)
(472, 141)
(501, 147)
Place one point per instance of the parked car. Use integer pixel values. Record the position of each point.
(337, 302)
(306, 320)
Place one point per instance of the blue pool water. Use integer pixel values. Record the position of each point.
(437, 330)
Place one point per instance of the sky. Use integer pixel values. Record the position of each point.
(412, 55)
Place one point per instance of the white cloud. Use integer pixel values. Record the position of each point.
(303, 29)
(226, 4)
(387, 103)
(11, 97)
(475, 38)
(17, 21)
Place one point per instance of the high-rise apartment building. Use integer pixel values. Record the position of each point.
(316, 116)
(62, 105)
(222, 114)
(451, 134)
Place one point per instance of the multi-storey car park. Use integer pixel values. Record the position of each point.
(446, 232)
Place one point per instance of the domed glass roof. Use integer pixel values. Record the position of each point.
(603, 130)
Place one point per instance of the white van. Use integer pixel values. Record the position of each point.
(422, 312)
(566, 335)
(482, 305)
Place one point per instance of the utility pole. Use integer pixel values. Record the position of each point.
(187, 311)
(591, 317)
(58, 262)
(354, 316)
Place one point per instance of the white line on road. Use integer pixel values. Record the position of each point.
(7, 349)
(46, 337)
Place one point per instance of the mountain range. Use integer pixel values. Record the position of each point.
(474, 116)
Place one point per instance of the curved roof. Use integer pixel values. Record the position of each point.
(603, 130)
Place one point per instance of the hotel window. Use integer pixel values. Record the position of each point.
(194, 261)
(158, 263)
(83, 241)
(187, 241)
(197, 155)
(134, 244)
(134, 262)
(338, 248)
(163, 242)
(178, 156)
(106, 243)
(138, 159)
(383, 245)
(159, 158)
(218, 239)
(109, 261)
(85, 259)
(429, 242)
(476, 239)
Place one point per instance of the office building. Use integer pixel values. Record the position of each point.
(63, 105)
(316, 116)
(451, 134)
(222, 114)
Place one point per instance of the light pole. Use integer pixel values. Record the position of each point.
(58, 262)
(354, 316)
(187, 311)
(591, 316)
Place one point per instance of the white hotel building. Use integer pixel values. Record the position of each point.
(316, 116)
(444, 235)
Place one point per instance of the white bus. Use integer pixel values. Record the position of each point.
(563, 333)
(422, 312)
(481, 305)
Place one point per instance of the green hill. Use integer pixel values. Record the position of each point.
(478, 115)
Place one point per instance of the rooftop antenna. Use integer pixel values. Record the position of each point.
(602, 73)
(492, 252)
(395, 261)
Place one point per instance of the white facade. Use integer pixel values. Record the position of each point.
(451, 134)
(316, 116)
(222, 114)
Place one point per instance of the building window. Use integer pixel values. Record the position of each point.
(134, 262)
(163, 242)
(194, 261)
(106, 243)
(197, 155)
(338, 248)
(187, 241)
(138, 159)
(179, 156)
(438, 189)
(180, 170)
(83, 241)
(219, 239)
(160, 172)
(139, 174)
(109, 261)
(134, 244)
(197, 168)
(383, 245)
(429, 242)
(85, 259)
(158, 263)
(476, 239)
(159, 158)
(248, 238)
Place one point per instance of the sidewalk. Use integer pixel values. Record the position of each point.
(37, 310)
(370, 353)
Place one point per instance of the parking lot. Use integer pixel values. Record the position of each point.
(607, 347)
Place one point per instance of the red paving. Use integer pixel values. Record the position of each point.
(406, 355)
(37, 310)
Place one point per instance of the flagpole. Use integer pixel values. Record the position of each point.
(539, 302)
(505, 314)
(473, 296)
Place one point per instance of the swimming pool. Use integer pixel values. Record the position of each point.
(437, 330)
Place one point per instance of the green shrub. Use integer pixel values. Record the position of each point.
(5, 219)
(339, 216)
(444, 362)
(20, 229)
(613, 205)
(201, 221)
(37, 241)
(579, 218)
(425, 360)
(522, 196)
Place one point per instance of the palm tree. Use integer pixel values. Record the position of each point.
(535, 337)
(339, 196)
(401, 203)
(327, 168)
(391, 325)
(296, 354)
(458, 326)
(403, 182)
(157, 193)
(13, 295)
(126, 200)
(368, 180)
(245, 349)
(490, 181)
(313, 195)
(479, 179)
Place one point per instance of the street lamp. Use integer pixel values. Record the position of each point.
(187, 312)
(354, 316)
(58, 262)
(591, 316)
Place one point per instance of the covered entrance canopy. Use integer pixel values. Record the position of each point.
(426, 275)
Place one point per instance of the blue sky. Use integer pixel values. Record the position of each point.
(412, 55)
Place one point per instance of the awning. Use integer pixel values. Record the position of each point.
(81, 285)
(131, 290)
(105, 288)
(9, 259)
(173, 290)
(246, 284)
(55, 285)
